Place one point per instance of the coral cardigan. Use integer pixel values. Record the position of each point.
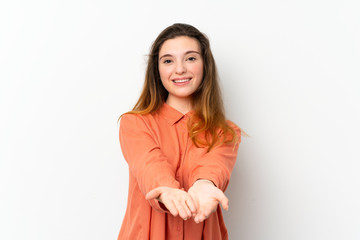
(159, 152)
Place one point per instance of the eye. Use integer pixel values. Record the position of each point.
(167, 61)
(191, 59)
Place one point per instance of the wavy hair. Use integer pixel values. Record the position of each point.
(209, 127)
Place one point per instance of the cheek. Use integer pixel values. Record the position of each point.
(164, 72)
(198, 70)
(164, 77)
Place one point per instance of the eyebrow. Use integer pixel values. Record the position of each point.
(169, 55)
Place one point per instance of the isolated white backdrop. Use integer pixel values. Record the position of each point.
(290, 78)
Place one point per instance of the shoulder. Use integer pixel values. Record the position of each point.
(131, 119)
(235, 127)
(135, 120)
(237, 131)
(232, 124)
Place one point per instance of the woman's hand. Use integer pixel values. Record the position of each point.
(207, 197)
(177, 201)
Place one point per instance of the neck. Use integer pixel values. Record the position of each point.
(183, 105)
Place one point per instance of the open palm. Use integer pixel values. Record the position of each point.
(206, 197)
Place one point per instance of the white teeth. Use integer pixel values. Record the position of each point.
(182, 80)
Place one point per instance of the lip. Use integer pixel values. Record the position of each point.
(181, 83)
(182, 78)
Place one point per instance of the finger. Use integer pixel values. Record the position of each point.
(190, 203)
(221, 198)
(200, 217)
(205, 211)
(171, 207)
(153, 194)
(182, 210)
(187, 210)
(194, 199)
(224, 201)
(196, 218)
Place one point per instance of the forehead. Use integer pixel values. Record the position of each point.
(179, 45)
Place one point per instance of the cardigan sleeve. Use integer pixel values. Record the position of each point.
(146, 161)
(217, 164)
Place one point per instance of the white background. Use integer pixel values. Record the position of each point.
(290, 78)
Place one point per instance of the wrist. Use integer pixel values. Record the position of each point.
(204, 180)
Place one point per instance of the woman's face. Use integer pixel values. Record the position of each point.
(180, 67)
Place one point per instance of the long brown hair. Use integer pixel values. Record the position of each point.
(209, 126)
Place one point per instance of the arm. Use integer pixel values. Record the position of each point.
(217, 164)
(150, 167)
(210, 177)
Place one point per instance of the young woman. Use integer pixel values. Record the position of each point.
(179, 147)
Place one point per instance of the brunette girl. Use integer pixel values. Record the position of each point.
(179, 147)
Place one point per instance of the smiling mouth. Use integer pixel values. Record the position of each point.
(181, 80)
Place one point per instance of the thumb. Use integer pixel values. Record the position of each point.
(153, 194)
(223, 200)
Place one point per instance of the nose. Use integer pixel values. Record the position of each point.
(180, 68)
